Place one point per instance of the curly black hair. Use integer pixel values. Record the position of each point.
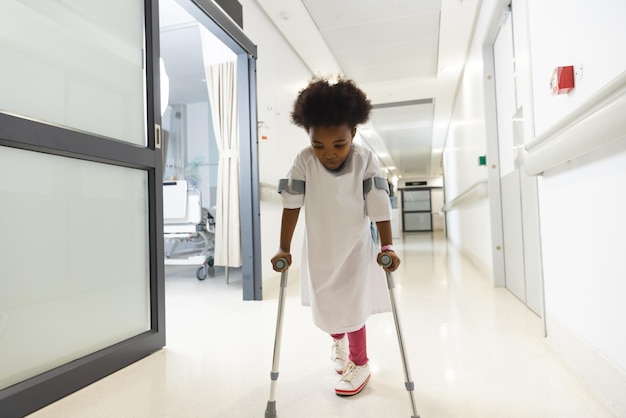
(327, 102)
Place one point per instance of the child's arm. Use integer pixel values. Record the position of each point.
(386, 239)
(288, 225)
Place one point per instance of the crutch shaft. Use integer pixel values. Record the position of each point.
(277, 340)
(386, 261)
(270, 411)
(409, 385)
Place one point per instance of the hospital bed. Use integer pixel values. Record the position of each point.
(189, 229)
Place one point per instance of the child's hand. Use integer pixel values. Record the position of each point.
(281, 254)
(395, 260)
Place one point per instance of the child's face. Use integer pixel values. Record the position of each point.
(331, 144)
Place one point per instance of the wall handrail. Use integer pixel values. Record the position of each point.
(475, 192)
(597, 122)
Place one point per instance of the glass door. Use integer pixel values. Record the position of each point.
(416, 210)
(81, 248)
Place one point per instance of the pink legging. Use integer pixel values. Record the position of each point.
(358, 345)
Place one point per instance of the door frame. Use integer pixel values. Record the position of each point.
(529, 193)
(219, 24)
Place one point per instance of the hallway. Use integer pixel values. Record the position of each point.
(474, 351)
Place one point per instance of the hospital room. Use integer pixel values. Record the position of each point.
(191, 154)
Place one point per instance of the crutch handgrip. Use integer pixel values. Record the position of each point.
(280, 263)
(385, 260)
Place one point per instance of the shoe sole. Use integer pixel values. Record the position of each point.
(340, 392)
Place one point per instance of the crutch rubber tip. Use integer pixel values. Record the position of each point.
(270, 411)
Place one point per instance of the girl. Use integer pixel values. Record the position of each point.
(340, 186)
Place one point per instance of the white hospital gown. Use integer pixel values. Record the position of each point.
(340, 278)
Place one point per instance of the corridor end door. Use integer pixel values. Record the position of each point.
(416, 210)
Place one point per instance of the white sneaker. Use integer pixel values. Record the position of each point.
(353, 380)
(339, 354)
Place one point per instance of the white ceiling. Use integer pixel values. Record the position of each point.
(375, 39)
(407, 55)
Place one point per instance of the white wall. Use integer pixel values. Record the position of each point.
(584, 236)
(582, 203)
(468, 226)
(593, 35)
(280, 75)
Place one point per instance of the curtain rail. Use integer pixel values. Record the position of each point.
(598, 121)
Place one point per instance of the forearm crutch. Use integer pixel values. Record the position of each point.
(279, 264)
(386, 261)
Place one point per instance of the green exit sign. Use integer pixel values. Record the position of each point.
(482, 160)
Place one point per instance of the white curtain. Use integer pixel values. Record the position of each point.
(221, 80)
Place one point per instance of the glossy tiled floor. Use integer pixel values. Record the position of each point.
(474, 351)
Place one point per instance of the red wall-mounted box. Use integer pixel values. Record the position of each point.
(562, 80)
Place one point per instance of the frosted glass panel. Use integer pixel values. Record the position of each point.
(416, 200)
(74, 260)
(417, 221)
(75, 63)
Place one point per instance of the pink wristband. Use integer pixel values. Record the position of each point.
(387, 248)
